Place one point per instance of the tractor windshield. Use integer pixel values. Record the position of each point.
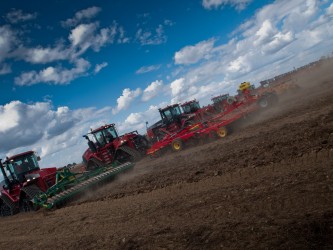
(23, 164)
(220, 98)
(170, 113)
(191, 107)
(105, 135)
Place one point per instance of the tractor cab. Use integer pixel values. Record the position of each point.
(19, 166)
(171, 114)
(104, 135)
(190, 107)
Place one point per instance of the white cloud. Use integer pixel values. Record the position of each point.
(40, 55)
(214, 4)
(193, 54)
(55, 75)
(177, 86)
(329, 10)
(146, 69)
(55, 133)
(280, 36)
(7, 42)
(82, 33)
(5, 69)
(16, 16)
(85, 36)
(99, 67)
(152, 90)
(82, 15)
(151, 37)
(125, 100)
(137, 121)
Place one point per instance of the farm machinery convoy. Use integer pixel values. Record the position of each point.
(176, 128)
(28, 187)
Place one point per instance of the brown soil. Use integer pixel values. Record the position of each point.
(268, 185)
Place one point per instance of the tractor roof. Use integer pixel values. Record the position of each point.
(101, 128)
(224, 96)
(189, 102)
(21, 154)
(169, 106)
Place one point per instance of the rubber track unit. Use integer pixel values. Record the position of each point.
(132, 152)
(60, 198)
(10, 204)
(32, 190)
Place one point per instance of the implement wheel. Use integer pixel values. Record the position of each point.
(222, 132)
(177, 145)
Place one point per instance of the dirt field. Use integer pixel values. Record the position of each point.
(269, 185)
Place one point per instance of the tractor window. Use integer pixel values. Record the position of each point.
(110, 134)
(167, 114)
(194, 106)
(176, 111)
(100, 138)
(187, 109)
(23, 164)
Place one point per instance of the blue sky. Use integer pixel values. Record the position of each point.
(66, 66)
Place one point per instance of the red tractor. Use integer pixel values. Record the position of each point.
(106, 146)
(172, 120)
(23, 179)
(201, 113)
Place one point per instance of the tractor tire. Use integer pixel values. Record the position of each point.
(177, 145)
(26, 205)
(263, 102)
(134, 155)
(268, 100)
(222, 132)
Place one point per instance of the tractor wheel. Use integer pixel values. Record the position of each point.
(222, 132)
(263, 102)
(132, 154)
(177, 145)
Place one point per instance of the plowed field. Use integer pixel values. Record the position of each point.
(269, 184)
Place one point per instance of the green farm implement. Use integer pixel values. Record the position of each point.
(68, 184)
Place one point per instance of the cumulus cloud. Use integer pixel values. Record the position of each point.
(99, 67)
(280, 36)
(25, 124)
(85, 36)
(82, 15)
(5, 69)
(137, 121)
(214, 4)
(125, 100)
(43, 55)
(53, 75)
(152, 90)
(8, 41)
(193, 54)
(148, 37)
(146, 69)
(16, 16)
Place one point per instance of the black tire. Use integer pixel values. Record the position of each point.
(133, 155)
(263, 102)
(177, 145)
(268, 100)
